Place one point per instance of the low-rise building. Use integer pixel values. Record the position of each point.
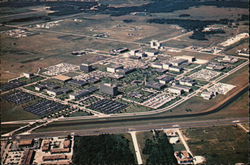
(112, 68)
(175, 69)
(189, 58)
(166, 65)
(46, 146)
(125, 71)
(175, 90)
(184, 88)
(151, 52)
(78, 95)
(207, 95)
(179, 62)
(156, 65)
(28, 157)
(40, 87)
(28, 75)
(155, 85)
(187, 81)
(155, 44)
(229, 59)
(26, 143)
(166, 79)
(62, 78)
(54, 157)
(59, 91)
(183, 157)
(78, 83)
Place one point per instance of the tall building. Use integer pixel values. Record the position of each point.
(109, 89)
(86, 68)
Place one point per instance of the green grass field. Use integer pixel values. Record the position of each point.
(11, 112)
(220, 145)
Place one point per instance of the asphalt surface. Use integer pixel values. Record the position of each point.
(146, 127)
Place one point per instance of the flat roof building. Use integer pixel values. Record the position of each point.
(112, 68)
(62, 78)
(28, 75)
(59, 91)
(86, 68)
(189, 58)
(179, 62)
(79, 83)
(28, 157)
(166, 65)
(187, 81)
(155, 44)
(78, 95)
(155, 85)
(151, 52)
(166, 79)
(184, 88)
(156, 65)
(109, 89)
(175, 90)
(175, 69)
(183, 157)
(26, 143)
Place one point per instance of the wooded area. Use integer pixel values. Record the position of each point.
(102, 150)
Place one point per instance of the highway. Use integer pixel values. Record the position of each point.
(146, 127)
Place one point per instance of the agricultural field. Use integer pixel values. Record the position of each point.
(219, 145)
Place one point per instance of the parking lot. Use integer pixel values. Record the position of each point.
(108, 106)
(89, 100)
(45, 107)
(19, 97)
(11, 85)
(204, 75)
(60, 68)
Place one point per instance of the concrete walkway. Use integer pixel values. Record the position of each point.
(241, 126)
(137, 150)
(184, 141)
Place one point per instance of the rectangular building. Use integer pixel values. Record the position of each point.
(112, 68)
(175, 69)
(175, 90)
(86, 68)
(79, 83)
(78, 95)
(62, 78)
(166, 79)
(179, 62)
(155, 85)
(109, 89)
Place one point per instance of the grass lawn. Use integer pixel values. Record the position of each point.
(220, 145)
(11, 112)
(9, 127)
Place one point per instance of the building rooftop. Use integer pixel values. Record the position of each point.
(62, 77)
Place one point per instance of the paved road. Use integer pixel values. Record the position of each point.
(125, 129)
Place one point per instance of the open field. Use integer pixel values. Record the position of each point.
(9, 127)
(11, 112)
(219, 145)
